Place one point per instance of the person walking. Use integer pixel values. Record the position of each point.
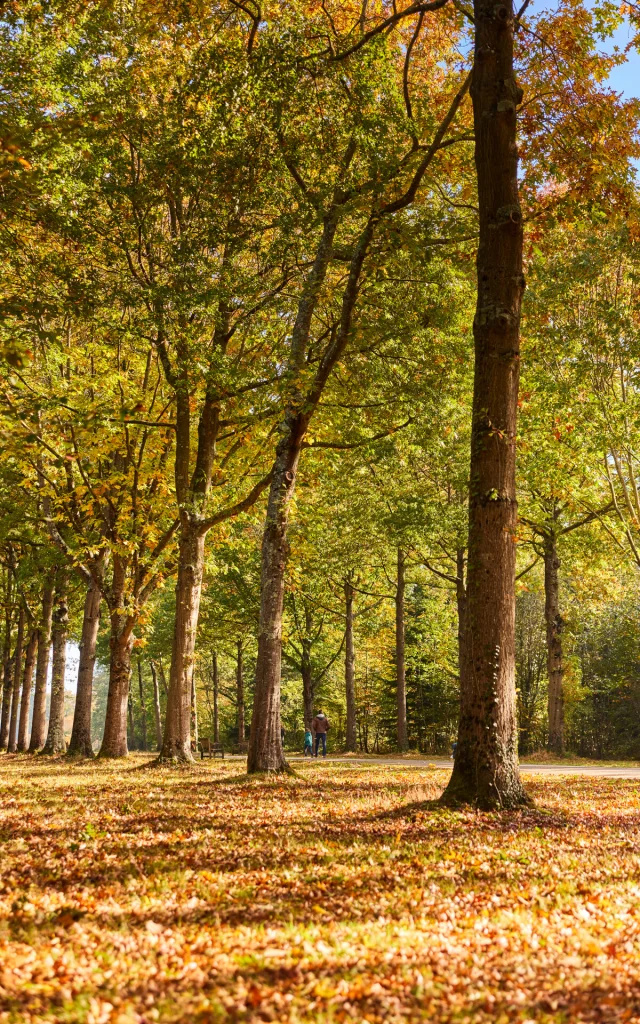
(320, 726)
(308, 743)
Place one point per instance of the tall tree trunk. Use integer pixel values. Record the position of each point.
(461, 602)
(554, 624)
(80, 742)
(265, 741)
(194, 709)
(486, 771)
(216, 685)
(55, 742)
(5, 692)
(401, 686)
(308, 685)
(114, 739)
(143, 706)
(27, 681)
(176, 745)
(240, 693)
(39, 720)
(131, 734)
(307, 690)
(156, 705)
(163, 678)
(17, 678)
(350, 670)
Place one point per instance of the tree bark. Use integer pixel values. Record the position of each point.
(401, 687)
(554, 624)
(80, 742)
(308, 685)
(265, 741)
(55, 742)
(5, 693)
(163, 678)
(114, 740)
(156, 705)
(216, 684)
(143, 707)
(486, 766)
(307, 693)
(12, 745)
(131, 734)
(39, 721)
(461, 603)
(27, 681)
(350, 670)
(240, 693)
(176, 745)
(7, 689)
(194, 709)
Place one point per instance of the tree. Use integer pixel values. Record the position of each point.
(486, 764)
(27, 682)
(38, 723)
(12, 741)
(80, 742)
(401, 688)
(55, 742)
(342, 209)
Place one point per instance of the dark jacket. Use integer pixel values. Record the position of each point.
(320, 724)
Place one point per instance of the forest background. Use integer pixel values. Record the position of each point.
(164, 183)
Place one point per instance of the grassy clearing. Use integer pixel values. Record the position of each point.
(131, 895)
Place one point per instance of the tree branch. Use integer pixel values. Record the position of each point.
(356, 444)
(240, 506)
(416, 8)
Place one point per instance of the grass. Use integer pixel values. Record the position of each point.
(544, 757)
(341, 894)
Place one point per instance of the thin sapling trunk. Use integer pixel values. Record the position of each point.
(401, 688)
(240, 695)
(554, 624)
(216, 684)
(350, 670)
(156, 705)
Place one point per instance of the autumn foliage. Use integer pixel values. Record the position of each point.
(339, 895)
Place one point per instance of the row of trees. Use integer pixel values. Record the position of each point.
(237, 249)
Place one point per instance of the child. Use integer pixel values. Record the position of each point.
(308, 743)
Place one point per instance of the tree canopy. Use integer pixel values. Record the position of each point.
(280, 424)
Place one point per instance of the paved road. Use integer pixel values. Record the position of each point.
(605, 771)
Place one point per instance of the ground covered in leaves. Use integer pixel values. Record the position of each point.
(130, 894)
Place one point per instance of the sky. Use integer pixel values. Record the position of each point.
(624, 79)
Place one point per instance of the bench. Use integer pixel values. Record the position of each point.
(210, 749)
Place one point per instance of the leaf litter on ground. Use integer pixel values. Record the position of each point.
(340, 894)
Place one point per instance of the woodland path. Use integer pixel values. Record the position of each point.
(631, 771)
